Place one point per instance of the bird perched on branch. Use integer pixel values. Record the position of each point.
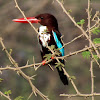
(49, 36)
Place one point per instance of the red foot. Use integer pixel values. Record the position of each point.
(43, 62)
(52, 57)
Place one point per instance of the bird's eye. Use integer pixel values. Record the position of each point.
(41, 17)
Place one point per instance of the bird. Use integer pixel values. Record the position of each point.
(48, 34)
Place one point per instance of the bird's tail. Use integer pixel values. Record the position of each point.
(63, 77)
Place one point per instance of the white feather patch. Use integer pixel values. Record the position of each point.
(44, 36)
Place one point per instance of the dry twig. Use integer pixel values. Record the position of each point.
(75, 23)
(28, 78)
(91, 48)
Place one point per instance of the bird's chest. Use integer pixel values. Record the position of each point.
(44, 36)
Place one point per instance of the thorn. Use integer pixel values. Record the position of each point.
(32, 77)
(0, 72)
(37, 67)
(1, 39)
(34, 62)
(3, 49)
(51, 67)
(32, 94)
(18, 73)
(27, 62)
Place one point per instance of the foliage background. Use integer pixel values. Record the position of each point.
(23, 40)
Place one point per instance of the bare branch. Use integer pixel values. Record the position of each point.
(85, 34)
(80, 95)
(90, 37)
(28, 78)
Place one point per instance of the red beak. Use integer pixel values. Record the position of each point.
(23, 20)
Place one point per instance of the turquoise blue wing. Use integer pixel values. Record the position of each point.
(59, 44)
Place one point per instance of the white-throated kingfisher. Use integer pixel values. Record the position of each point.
(48, 35)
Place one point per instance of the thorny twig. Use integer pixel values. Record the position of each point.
(29, 79)
(75, 23)
(90, 37)
(46, 44)
(90, 44)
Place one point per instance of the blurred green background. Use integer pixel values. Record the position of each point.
(23, 40)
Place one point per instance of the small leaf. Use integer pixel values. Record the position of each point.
(72, 77)
(19, 98)
(1, 79)
(7, 92)
(96, 30)
(59, 64)
(81, 22)
(62, 64)
(52, 47)
(69, 10)
(86, 54)
(47, 56)
(58, 53)
(96, 57)
(10, 51)
(96, 40)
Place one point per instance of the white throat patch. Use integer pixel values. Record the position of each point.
(44, 36)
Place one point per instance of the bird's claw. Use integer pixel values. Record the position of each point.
(52, 57)
(43, 62)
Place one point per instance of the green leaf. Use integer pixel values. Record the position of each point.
(48, 56)
(19, 98)
(72, 77)
(96, 57)
(62, 64)
(69, 10)
(82, 21)
(1, 79)
(56, 50)
(10, 51)
(7, 92)
(86, 54)
(96, 30)
(96, 40)
(52, 47)
(58, 53)
(59, 64)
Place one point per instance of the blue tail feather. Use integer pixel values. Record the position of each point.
(59, 44)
